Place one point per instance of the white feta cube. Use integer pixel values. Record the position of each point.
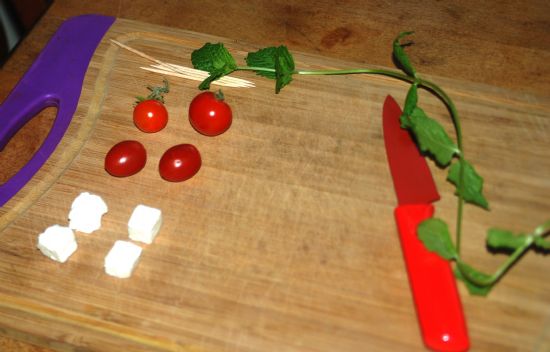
(57, 243)
(92, 202)
(122, 259)
(144, 224)
(86, 212)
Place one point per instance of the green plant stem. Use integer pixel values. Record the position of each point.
(387, 73)
(502, 269)
(458, 129)
(460, 205)
(254, 68)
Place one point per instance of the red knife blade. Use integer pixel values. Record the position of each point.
(432, 282)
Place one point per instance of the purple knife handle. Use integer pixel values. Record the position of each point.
(55, 79)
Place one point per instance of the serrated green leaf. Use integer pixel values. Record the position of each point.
(503, 239)
(473, 184)
(275, 58)
(542, 243)
(284, 68)
(401, 56)
(473, 288)
(431, 137)
(410, 103)
(435, 235)
(265, 58)
(215, 59)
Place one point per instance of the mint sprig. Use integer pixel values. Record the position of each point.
(431, 137)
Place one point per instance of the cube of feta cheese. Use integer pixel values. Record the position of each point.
(57, 243)
(122, 259)
(144, 224)
(86, 212)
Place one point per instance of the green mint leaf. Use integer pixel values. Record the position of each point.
(263, 58)
(215, 59)
(401, 57)
(473, 288)
(503, 239)
(435, 235)
(412, 99)
(473, 184)
(284, 68)
(431, 137)
(410, 105)
(542, 243)
(278, 59)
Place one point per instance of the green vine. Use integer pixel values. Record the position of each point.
(278, 64)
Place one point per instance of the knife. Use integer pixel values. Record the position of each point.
(431, 279)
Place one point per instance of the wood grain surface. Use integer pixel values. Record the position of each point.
(334, 275)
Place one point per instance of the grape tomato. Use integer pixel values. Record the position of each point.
(125, 158)
(209, 114)
(180, 163)
(150, 116)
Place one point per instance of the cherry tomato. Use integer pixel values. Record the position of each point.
(179, 163)
(150, 116)
(125, 158)
(209, 114)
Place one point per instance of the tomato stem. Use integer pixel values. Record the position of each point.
(157, 93)
(219, 95)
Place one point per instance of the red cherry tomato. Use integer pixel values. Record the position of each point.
(209, 114)
(125, 158)
(179, 163)
(150, 116)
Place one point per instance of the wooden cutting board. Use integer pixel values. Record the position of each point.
(285, 240)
